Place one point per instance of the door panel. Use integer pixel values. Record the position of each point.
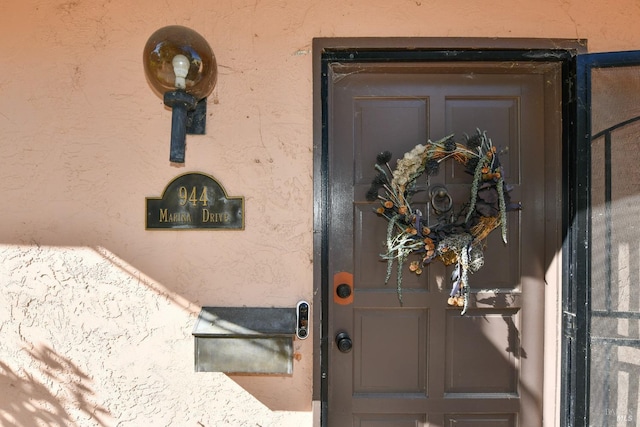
(381, 119)
(503, 112)
(495, 420)
(388, 421)
(422, 363)
(401, 359)
(476, 364)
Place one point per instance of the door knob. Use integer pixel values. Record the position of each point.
(343, 341)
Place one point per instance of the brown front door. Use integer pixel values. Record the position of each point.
(422, 363)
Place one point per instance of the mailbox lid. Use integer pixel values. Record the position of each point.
(245, 322)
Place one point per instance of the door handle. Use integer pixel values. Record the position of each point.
(343, 341)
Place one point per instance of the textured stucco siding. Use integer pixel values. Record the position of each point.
(86, 342)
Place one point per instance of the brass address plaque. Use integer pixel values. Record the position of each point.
(195, 201)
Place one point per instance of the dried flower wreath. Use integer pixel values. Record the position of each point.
(454, 239)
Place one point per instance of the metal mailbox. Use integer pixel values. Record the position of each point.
(252, 340)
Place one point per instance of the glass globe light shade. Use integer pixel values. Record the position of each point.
(177, 57)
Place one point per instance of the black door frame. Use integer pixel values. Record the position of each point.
(575, 197)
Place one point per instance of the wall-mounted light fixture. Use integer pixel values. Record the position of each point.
(181, 67)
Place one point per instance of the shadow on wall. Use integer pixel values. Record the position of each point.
(36, 395)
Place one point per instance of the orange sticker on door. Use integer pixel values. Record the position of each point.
(343, 288)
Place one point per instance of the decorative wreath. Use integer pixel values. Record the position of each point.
(456, 238)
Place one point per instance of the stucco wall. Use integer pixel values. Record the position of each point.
(96, 312)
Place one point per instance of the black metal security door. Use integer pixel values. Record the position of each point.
(606, 349)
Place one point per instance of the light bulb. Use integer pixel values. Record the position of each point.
(180, 69)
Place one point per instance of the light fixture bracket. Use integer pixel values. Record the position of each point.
(180, 103)
(197, 118)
